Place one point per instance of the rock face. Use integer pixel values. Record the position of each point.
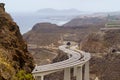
(43, 34)
(105, 67)
(57, 75)
(86, 21)
(102, 41)
(104, 48)
(2, 7)
(14, 55)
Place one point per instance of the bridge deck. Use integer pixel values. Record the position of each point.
(75, 59)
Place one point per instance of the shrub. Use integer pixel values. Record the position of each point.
(22, 75)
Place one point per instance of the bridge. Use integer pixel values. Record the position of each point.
(78, 60)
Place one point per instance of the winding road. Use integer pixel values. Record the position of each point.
(77, 60)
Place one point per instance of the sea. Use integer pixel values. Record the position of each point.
(27, 21)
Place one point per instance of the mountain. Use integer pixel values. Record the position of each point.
(84, 30)
(45, 34)
(107, 13)
(86, 21)
(93, 19)
(104, 47)
(14, 55)
(48, 33)
(77, 28)
(49, 11)
(27, 20)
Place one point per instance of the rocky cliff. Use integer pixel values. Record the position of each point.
(102, 41)
(43, 34)
(14, 55)
(104, 48)
(86, 22)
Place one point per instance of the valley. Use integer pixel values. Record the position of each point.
(88, 34)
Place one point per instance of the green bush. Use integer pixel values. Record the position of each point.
(22, 75)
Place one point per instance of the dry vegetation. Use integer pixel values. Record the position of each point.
(43, 56)
(46, 33)
(104, 63)
(14, 55)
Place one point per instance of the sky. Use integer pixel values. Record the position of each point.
(27, 6)
(82, 5)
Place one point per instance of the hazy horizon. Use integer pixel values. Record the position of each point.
(81, 5)
(26, 21)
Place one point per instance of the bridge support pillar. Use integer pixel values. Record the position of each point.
(67, 74)
(86, 72)
(34, 76)
(75, 71)
(42, 77)
(39, 77)
(79, 73)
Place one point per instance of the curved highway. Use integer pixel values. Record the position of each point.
(76, 58)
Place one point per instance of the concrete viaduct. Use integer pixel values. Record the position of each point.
(77, 60)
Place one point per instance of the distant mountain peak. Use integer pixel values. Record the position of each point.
(49, 11)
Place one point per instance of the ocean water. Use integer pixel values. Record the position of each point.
(27, 21)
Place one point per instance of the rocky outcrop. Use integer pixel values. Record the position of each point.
(2, 9)
(86, 21)
(60, 57)
(104, 48)
(57, 75)
(105, 67)
(14, 55)
(102, 41)
(43, 34)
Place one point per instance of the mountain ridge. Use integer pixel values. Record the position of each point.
(59, 11)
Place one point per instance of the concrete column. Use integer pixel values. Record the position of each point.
(37, 77)
(75, 71)
(96, 78)
(79, 73)
(42, 77)
(34, 77)
(67, 74)
(86, 72)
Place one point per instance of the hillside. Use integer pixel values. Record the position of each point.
(86, 32)
(45, 34)
(103, 47)
(48, 35)
(43, 56)
(14, 55)
(105, 41)
(86, 21)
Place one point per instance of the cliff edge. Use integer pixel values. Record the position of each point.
(104, 47)
(14, 55)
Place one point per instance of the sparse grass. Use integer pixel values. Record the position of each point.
(4, 60)
(6, 68)
(22, 75)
